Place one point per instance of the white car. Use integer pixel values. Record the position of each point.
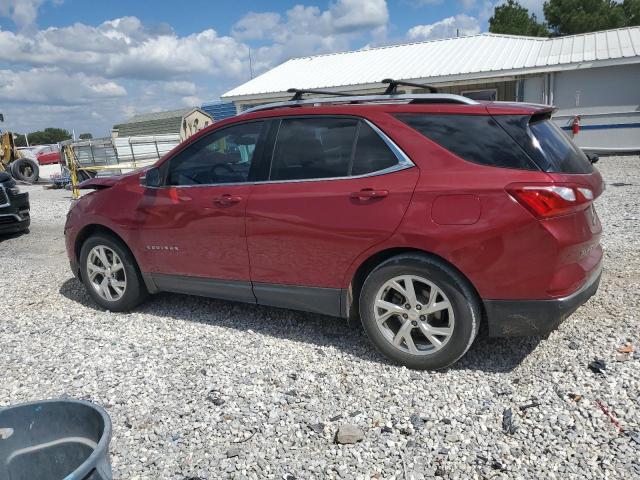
(33, 152)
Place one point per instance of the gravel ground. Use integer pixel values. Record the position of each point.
(204, 389)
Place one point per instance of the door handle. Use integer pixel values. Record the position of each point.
(228, 199)
(366, 193)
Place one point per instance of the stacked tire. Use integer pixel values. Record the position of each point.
(25, 170)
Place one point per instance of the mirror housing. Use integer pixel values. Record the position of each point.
(593, 157)
(151, 178)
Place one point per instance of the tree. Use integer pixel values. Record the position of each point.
(19, 140)
(568, 17)
(48, 135)
(631, 10)
(85, 136)
(513, 18)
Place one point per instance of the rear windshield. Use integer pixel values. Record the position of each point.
(476, 138)
(551, 148)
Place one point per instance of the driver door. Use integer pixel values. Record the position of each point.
(194, 226)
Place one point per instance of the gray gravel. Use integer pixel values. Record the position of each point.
(204, 389)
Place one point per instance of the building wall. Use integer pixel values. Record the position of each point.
(193, 123)
(608, 102)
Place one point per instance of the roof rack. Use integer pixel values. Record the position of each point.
(393, 86)
(414, 98)
(298, 92)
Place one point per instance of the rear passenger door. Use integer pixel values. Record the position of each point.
(335, 187)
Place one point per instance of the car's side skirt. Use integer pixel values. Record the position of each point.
(326, 301)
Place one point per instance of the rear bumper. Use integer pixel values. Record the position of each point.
(519, 318)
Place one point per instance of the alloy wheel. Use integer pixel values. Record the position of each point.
(414, 315)
(106, 273)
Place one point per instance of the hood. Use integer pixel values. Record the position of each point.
(98, 183)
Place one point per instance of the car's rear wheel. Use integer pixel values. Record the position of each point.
(110, 274)
(419, 312)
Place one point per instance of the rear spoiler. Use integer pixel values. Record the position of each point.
(98, 183)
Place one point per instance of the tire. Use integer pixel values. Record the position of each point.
(455, 310)
(124, 298)
(25, 170)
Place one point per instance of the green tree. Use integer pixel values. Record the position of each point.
(631, 10)
(568, 17)
(19, 140)
(513, 18)
(85, 136)
(48, 135)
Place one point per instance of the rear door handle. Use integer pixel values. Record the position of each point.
(369, 193)
(228, 199)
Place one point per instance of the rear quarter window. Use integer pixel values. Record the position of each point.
(551, 148)
(476, 138)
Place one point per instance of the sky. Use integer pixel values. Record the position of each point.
(85, 65)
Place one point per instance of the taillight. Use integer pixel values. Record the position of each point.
(546, 201)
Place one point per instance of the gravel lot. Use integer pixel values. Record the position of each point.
(205, 389)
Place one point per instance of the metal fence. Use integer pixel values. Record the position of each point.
(114, 156)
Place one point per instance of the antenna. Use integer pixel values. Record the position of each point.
(250, 64)
(393, 86)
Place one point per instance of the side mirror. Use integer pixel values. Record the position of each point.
(593, 157)
(151, 178)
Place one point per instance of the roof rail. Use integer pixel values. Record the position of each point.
(415, 98)
(393, 86)
(298, 92)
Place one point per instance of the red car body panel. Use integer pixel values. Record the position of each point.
(315, 233)
(48, 158)
(308, 233)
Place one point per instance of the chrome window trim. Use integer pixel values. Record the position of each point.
(404, 162)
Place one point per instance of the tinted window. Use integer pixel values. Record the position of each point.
(477, 138)
(546, 144)
(372, 154)
(561, 154)
(308, 148)
(222, 157)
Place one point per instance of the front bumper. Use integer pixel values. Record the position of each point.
(14, 216)
(520, 318)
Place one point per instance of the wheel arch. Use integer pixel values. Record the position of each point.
(369, 264)
(96, 228)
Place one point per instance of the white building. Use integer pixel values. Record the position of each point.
(593, 75)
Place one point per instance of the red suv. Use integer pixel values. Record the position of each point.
(419, 214)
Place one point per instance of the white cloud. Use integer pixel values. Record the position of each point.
(467, 4)
(50, 86)
(125, 48)
(89, 77)
(305, 30)
(446, 28)
(22, 12)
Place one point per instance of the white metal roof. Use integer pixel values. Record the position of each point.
(477, 56)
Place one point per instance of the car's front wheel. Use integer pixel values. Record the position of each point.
(110, 274)
(419, 312)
